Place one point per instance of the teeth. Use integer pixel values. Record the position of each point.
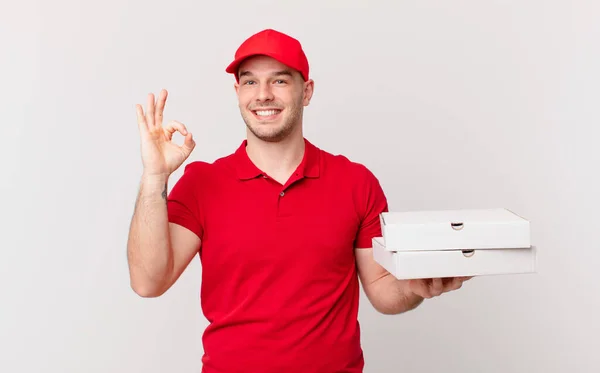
(266, 113)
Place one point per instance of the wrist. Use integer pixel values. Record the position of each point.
(412, 299)
(155, 179)
(154, 185)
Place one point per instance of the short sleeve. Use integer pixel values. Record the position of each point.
(371, 202)
(183, 203)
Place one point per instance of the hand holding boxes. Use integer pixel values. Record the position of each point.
(454, 243)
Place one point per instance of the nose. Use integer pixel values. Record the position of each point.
(264, 92)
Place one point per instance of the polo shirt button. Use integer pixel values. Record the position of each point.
(281, 194)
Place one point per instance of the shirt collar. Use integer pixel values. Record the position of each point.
(308, 167)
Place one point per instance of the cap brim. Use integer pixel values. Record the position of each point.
(233, 66)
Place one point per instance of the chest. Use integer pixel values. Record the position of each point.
(311, 224)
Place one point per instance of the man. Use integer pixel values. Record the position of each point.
(283, 229)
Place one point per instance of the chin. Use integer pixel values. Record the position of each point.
(269, 133)
(273, 135)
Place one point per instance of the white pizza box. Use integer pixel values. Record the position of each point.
(406, 265)
(454, 229)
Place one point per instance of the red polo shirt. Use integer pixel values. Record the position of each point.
(279, 282)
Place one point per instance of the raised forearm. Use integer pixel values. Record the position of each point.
(149, 252)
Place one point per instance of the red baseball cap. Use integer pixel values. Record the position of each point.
(274, 44)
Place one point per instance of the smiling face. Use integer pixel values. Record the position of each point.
(271, 98)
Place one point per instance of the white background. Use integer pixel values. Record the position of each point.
(452, 104)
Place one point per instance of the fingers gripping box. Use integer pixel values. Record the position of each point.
(449, 243)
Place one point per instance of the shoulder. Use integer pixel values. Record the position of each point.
(367, 195)
(350, 169)
(356, 178)
(204, 176)
(204, 169)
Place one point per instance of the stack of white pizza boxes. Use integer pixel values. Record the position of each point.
(450, 243)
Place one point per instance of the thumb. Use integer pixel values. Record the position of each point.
(188, 143)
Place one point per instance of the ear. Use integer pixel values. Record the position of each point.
(236, 87)
(309, 87)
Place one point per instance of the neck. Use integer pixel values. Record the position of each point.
(278, 159)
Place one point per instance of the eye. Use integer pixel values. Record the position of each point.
(248, 82)
(280, 81)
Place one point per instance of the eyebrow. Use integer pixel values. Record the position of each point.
(276, 73)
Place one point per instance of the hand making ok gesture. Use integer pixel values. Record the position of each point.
(160, 155)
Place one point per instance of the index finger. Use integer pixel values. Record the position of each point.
(160, 107)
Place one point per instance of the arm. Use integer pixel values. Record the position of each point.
(391, 296)
(157, 251)
(387, 294)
